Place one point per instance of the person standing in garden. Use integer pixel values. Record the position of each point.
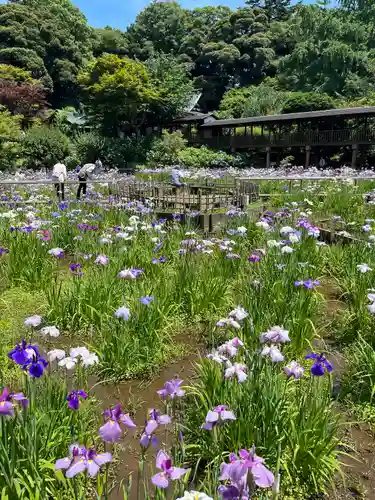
(59, 176)
(176, 179)
(86, 172)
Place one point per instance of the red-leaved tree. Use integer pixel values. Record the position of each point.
(22, 98)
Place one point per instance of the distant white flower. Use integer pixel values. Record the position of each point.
(231, 347)
(372, 237)
(79, 352)
(294, 369)
(57, 252)
(194, 495)
(101, 259)
(293, 238)
(286, 230)
(69, 363)
(287, 249)
(55, 354)
(263, 225)
(105, 241)
(216, 356)
(371, 308)
(122, 236)
(33, 321)
(364, 268)
(90, 360)
(122, 312)
(228, 322)
(50, 331)
(274, 243)
(274, 353)
(237, 370)
(276, 335)
(239, 313)
(241, 230)
(321, 244)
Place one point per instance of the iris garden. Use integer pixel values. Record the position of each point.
(102, 291)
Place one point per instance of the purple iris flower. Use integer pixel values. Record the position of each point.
(311, 284)
(6, 405)
(57, 252)
(171, 389)
(160, 260)
(219, 415)
(169, 473)
(146, 300)
(294, 369)
(3, 251)
(111, 430)
(321, 364)
(81, 459)
(73, 399)
(102, 260)
(23, 353)
(36, 367)
(151, 425)
(237, 471)
(308, 284)
(76, 269)
(254, 258)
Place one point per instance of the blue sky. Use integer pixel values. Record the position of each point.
(121, 13)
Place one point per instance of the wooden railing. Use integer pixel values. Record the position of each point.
(319, 138)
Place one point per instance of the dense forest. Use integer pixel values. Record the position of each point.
(64, 82)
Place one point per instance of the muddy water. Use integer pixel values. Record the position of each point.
(138, 397)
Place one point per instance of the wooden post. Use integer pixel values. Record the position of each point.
(268, 158)
(354, 155)
(308, 154)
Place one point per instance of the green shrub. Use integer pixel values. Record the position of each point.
(166, 150)
(204, 158)
(10, 127)
(301, 102)
(113, 152)
(43, 146)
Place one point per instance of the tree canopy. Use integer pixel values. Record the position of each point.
(268, 56)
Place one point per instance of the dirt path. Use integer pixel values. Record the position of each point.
(138, 397)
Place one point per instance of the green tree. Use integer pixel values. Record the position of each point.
(264, 99)
(29, 61)
(51, 39)
(301, 102)
(118, 93)
(43, 146)
(13, 74)
(331, 47)
(10, 127)
(234, 101)
(111, 41)
(171, 79)
(160, 27)
(275, 9)
(250, 36)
